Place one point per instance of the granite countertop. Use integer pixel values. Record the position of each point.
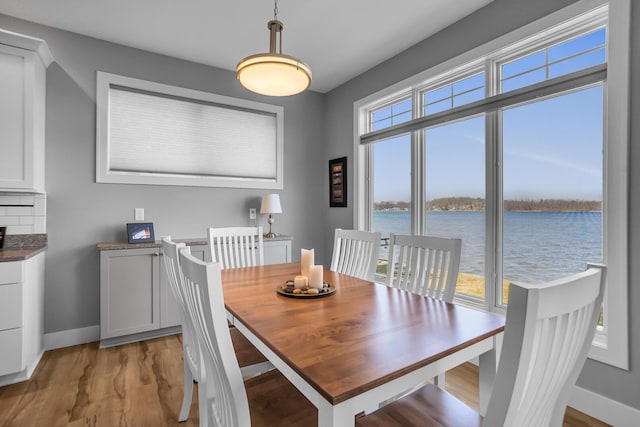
(113, 246)
(19, 247)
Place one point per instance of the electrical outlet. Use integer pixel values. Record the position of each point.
(252, 213)
(138, 214)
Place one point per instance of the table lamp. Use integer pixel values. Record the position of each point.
(270, 205)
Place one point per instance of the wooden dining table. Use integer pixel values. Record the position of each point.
(361, 345)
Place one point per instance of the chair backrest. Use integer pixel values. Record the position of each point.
(236, 246)
(191, 352)
(424, 265)
(222, 383)
(356, 253)
(548, 333)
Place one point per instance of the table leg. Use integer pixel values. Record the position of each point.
(487, 370)
(335, 416)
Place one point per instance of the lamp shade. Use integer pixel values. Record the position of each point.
(270, 204)
(274, 74)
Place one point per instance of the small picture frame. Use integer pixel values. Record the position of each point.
(338, 183)
(140, 232)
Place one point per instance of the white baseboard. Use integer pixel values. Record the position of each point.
(597, 406)
(71, 337)
(23, 375)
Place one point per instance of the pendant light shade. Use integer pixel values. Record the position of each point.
(274, 73)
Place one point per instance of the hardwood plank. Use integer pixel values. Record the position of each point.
(140, 384)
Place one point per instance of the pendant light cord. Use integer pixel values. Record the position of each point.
(275, 18)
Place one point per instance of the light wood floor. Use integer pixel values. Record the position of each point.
(140, 384)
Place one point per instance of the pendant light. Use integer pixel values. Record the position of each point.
(274, 73)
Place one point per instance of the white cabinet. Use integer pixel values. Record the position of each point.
(129, 292)
(23, 63)
(136, 301)
(278, 250)
(135, 297)
(21, 318)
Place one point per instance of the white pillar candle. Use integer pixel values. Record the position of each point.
(306, 261)
(300, 282)
(315, 277)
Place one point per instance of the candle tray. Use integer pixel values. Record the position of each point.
(327, 289)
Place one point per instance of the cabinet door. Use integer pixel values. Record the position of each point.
(129, 291)
(22, 85)
(170, 314)
(277, 251)
(11, 360)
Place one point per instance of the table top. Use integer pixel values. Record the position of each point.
(361, 336)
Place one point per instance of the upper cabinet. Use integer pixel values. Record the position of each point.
(23, 64)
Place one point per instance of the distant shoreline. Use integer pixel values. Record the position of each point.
(475, 204)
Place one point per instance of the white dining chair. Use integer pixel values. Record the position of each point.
(252, 361)
(548, 332)
(236, 247)
(355, 253)
(265, 400)
(424, 265)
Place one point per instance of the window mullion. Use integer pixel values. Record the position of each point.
(493, 248)
(418, 172)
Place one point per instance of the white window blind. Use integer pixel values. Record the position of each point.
(150, 133)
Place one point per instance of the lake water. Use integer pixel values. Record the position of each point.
(537, 246)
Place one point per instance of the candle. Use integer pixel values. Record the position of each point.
(315, 277)
(306, 261)
(300, 282)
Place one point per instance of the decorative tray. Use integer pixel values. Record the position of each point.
(287, 289)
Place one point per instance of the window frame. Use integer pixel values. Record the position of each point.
(611, 342)
(105, 81)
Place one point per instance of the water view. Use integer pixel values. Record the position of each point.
(538, 246)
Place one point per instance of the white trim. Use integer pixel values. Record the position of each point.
(23, 375)
(104, 174)
(612, 346)
(605, 409)
(71, 337)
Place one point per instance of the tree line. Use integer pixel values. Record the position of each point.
(477, 204)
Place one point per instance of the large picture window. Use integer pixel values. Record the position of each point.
(515, 149)
(149, 133)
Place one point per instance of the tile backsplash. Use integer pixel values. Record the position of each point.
(23, 213)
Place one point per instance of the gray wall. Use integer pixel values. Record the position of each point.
(82, 213)
(494, 20)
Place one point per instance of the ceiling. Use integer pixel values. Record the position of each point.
(338, 39)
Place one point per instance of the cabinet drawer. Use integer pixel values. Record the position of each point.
(11, 351)
(11, 272)
(10, 306)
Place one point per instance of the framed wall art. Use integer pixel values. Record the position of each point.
(140, 232)
(338, 183)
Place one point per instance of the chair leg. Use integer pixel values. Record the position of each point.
(439, 380)
(188, 392)
(203, 406)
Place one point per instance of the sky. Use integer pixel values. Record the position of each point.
(552, 148)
